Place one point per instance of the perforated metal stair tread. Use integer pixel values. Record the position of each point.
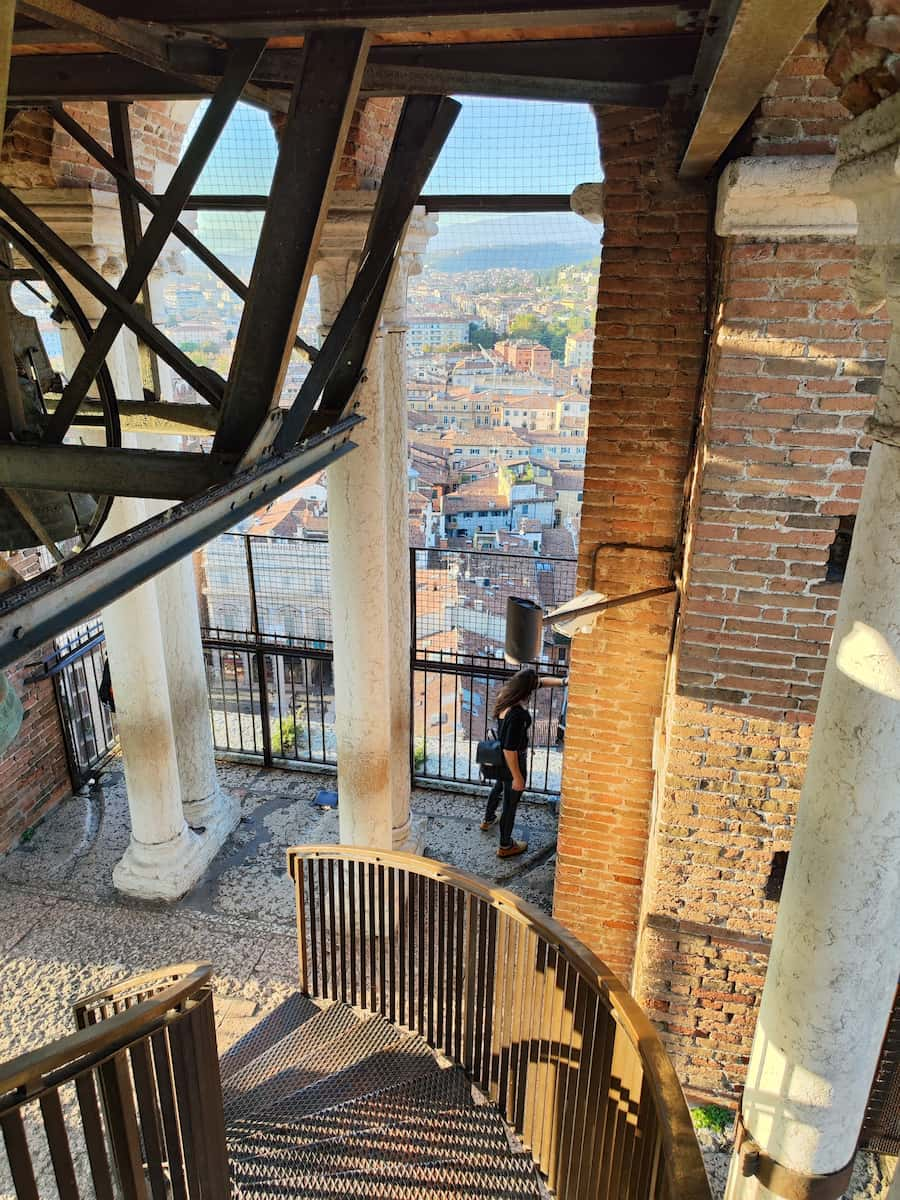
(437, 1137)
(482, 1176)
(407, 1060)
(302, 1048)
(438, 1092)
(293, 1012)
(345, 1104)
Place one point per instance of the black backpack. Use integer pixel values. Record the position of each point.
(489, 756)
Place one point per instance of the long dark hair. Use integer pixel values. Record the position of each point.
(515, 690)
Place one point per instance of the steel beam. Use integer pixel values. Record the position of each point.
(426, 81)
(130, 213)
(241, 61)
(152, 202)
(109, 470)
(421, 132)
(206, 383)
(453, 202)
(43, 607)
(153, 416)
(745, 42)
(312, 142)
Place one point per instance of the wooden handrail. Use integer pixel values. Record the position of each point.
(147, 1096)
(331, 911)
(80, 1051)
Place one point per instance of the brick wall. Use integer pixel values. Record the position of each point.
(33, 773)
(647, 361)
(368, 144)
(38, 153)
(793, 372)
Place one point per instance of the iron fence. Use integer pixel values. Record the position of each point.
(458, 602)
(89, 726)
(267, 640)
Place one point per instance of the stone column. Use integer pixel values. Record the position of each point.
(835, 955)
(152, 634)
(368, 535)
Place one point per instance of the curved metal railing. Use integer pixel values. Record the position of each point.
(538, 1021)
(131, 1102)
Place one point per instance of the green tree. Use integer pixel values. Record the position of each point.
(481, 335)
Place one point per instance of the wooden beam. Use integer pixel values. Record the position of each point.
(530, 202)
(242, 59)
(109, 471)
(744, 45)
(311, 146)
(50, 78)
(282, 17)
(166, 50)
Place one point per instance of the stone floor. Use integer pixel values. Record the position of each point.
(66, 932)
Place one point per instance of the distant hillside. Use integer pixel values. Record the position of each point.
(531, 241)
(528, 256)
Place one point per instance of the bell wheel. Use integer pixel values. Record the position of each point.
(46, 322)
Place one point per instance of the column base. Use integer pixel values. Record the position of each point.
(163, 870)
(410, 838)
(217, 815)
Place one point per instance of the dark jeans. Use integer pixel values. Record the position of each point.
(503, 790)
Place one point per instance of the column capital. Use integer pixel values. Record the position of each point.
(85, 218)
(868, 174)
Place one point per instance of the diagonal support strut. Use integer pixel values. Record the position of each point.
(241, 62)
(312, 142)
(421, 132)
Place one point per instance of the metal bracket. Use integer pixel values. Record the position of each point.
(784, 1181)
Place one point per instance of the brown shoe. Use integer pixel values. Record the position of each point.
(488, 823)
(513, 850)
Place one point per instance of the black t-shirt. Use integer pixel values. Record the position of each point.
(514, 730)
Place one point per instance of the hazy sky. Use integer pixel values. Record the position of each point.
(495, 146)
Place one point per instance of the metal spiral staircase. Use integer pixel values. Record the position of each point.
(447, 1040)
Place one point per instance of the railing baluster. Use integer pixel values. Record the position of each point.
(556, 1070)
(598, 1100)
(323, 931)
(190, 1111)
(533, 1044)
(401, 916)
(19, 1156)
(338, 869)
(357, 995)
(142, 1070)
(165, 1086)
(58, 1144)
(382, 947)
(441, 1035)
(332, 933)
(313, 913)
(459, 952)
(391, 919)
(298, 866)
(576, 1076)
(503, 971)
(122, 1126)
(373, 930)
(95, 1141)
(211, 1107)
(424, 955)
(492, 990)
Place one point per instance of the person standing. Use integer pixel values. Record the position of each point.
(511, 710)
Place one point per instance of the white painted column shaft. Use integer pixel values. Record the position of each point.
(359, 600)
(836, 955)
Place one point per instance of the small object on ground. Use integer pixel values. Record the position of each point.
(485, 824)
(326, 799)
(513, 850)
(197, 828)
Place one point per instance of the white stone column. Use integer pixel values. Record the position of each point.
(369, 538)
(836, 953)
(152, 634)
